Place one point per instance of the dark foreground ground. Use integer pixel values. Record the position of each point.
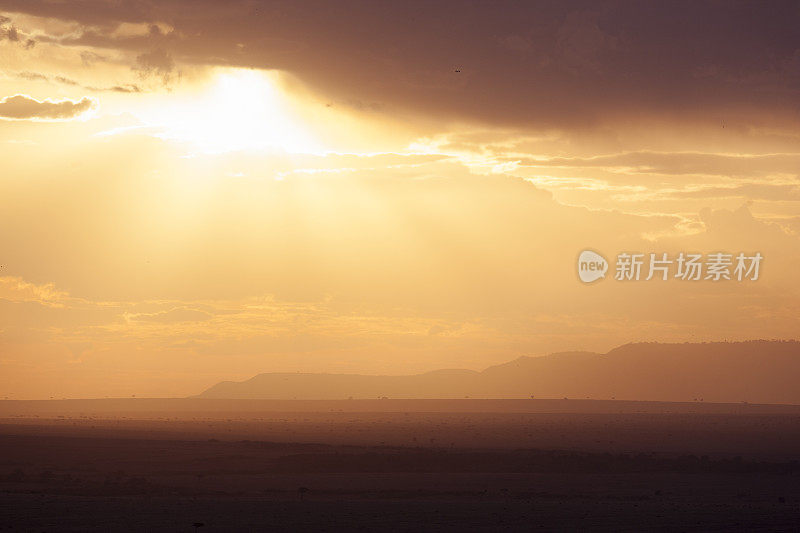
(655, 467)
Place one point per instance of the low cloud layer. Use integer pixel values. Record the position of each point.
(22, 107)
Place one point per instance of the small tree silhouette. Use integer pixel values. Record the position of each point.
(302, 492)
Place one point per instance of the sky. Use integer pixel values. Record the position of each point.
(197, 191)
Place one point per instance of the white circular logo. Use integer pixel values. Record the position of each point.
(591, 266)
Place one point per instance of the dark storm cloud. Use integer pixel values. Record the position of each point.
(542, 64)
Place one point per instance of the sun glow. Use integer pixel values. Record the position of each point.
(241, 110)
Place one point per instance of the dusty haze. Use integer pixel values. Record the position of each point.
(195, 192)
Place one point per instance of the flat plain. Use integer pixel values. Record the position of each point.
(398, 465)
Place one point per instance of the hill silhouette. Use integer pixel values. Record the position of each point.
(751, 371)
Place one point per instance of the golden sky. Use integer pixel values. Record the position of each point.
(199, 191)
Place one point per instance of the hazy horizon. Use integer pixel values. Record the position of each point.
(757, 371)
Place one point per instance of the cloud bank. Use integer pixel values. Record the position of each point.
(543, 64)
(22, 107)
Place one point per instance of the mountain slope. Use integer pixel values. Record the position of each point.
(753, 371)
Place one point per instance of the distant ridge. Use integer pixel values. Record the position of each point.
(751, 371)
